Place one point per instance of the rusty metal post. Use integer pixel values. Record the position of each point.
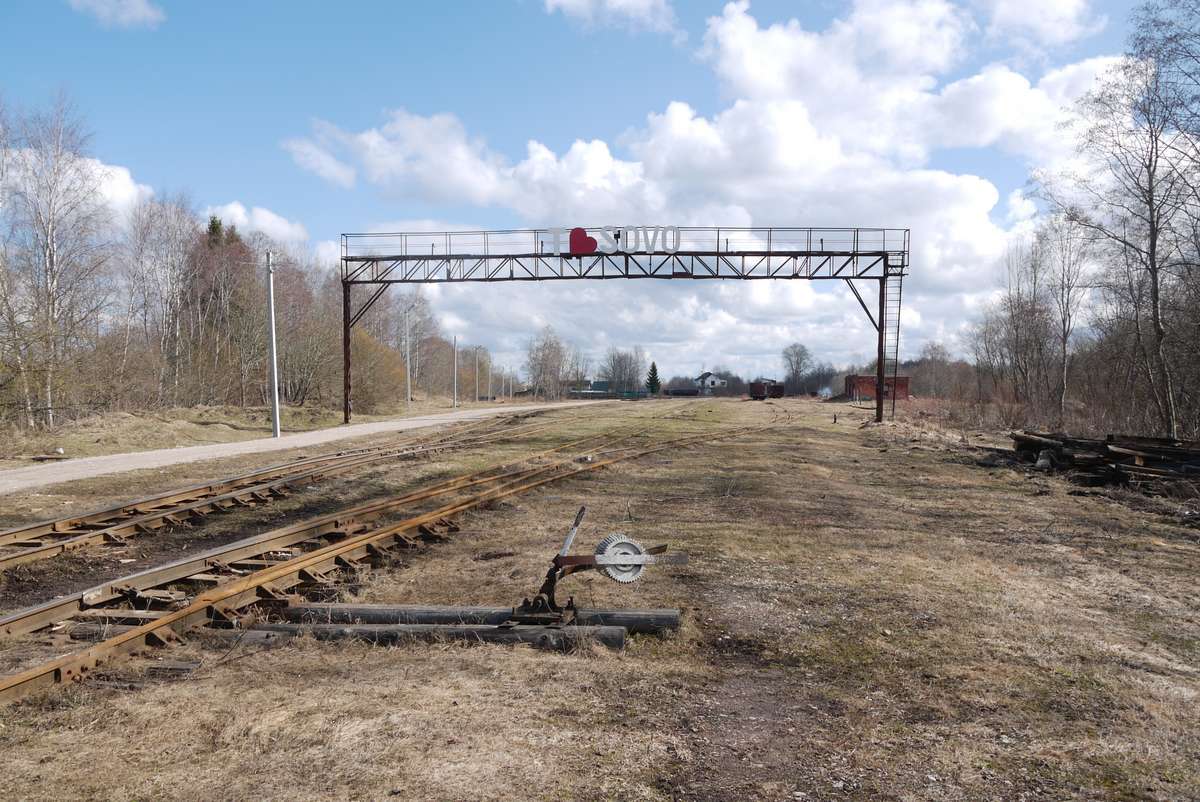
(879, 372)
(346, 351)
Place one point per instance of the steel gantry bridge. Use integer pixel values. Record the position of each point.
(878, 256)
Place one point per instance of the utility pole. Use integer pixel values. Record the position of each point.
(274, 361)
(407, 363)
(477, 374)
(489, 367)
(456, 371)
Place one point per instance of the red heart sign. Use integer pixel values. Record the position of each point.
(580, 242)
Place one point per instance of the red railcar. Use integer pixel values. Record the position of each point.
(761, 391)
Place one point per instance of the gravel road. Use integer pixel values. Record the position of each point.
(86, 467)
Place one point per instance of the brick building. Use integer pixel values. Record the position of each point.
(862, 388)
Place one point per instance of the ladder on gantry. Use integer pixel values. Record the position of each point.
(893, 292)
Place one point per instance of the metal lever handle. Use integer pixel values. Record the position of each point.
(571, 534)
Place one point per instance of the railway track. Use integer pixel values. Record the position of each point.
(224, 587)
(188, 505)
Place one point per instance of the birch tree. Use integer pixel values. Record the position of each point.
(1131, 194)
(1064, 249)
(14, 320)
(62, 240)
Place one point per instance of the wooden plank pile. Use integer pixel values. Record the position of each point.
(1117, 459)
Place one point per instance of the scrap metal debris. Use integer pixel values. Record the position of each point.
(1144, 462)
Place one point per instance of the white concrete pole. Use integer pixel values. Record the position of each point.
(455, 371)
(407, 362)
(274, 361)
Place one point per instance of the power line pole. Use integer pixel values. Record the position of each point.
(489, 369)
(456, 371)
(477, 374)
(407, 362)
(274, 361)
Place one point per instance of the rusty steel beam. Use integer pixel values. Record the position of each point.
(635, 621)
(561, 639)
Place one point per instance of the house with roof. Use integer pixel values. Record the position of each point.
(706, 382)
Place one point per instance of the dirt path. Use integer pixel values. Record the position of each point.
(869, 613)
(53, 473)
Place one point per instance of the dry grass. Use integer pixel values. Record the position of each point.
(868, 615)
(123, 432)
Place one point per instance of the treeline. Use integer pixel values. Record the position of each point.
(802, 375)
(101, 310)
(1098, 327)
(553, 367)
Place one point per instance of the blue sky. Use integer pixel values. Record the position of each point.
(201, 97)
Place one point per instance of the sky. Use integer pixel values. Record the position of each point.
(307, 120)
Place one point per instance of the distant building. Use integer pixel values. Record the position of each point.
(862, 388)
(706, 382)
(603, 389)
(762, 389)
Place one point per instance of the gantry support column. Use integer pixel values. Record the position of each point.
(879, 374)
(346, 351)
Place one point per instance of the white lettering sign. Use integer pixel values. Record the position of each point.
(612, 239)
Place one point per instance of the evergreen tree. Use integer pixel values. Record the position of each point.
(216, 231)
(652, 382)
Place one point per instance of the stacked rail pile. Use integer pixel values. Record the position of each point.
(1117, 459)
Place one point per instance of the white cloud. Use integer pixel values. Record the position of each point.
(1042, 22)
(115, 184)
(422, 224)
(327, 252)
(1020, 207)
(981, 110)
(646, 15)
(881, 95)
(122, 13)
(898, 40)
(316, 159)
(259, 219)
(119, 189)
(827, 127)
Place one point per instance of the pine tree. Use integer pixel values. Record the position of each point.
(216, 231)
(652, 382)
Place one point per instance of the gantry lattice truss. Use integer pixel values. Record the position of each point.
(853, 255)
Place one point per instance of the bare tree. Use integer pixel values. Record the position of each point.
(1064, 249)
(796, 360)
(577, 367)
(15, 321)
(545, 362)
(934, 361)
(158, 248)
(625, 371)
(1132, 195)
(62, 239)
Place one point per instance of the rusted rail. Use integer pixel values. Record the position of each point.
(185, 506)
(146, 587)
(329, 544)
